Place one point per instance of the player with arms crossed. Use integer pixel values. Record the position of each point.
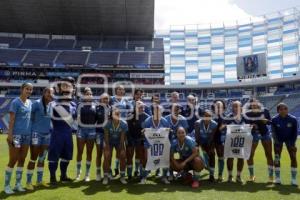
(284, 129)
(189, 158)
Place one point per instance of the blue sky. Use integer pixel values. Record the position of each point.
(180, 12)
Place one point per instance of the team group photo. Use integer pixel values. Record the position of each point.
(149, 99)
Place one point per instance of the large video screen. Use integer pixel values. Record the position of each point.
(251, 65)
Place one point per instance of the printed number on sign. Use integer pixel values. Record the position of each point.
(237, 142)
(157, 149)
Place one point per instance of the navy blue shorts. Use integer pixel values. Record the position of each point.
(286, 142)
(61, 147)
(265, 137)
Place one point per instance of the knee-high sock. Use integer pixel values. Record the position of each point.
(40, 174)
(220, 166)
(52, 168)
(8, 173)
(19, 173)
(63, 168)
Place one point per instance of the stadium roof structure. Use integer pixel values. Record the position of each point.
(77, 17)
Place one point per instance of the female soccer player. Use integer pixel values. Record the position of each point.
(121, 102)
(218, 109)
(235, 117)
(284, 129)
(63, 119)
(135, 139)
(155, 121)
(114, 138)
(103, 113)
(260, 118)
(19, 136)
(86, 133)
(41, 125)
(189, 158)
(205, 130)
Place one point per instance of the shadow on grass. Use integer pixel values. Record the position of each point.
(154, 185)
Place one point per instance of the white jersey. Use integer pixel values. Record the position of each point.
(159, 148)
(238, 141)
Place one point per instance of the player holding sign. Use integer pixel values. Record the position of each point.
(237, 118)
(284, 129)
(189, 159)
(155, 122)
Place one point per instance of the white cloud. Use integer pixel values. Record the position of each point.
(183, 12)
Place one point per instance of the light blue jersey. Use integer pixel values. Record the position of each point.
(122, 104)
(41, 119)
(186, 150)
(22, 111)
(181, 122)
(163, 123)
(115, 132)
(203, 134)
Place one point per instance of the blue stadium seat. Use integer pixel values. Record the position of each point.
(13, 42)
(34, 43)
(61, 44)
(158, 44)
(36, 57)
(11, 56)
(157, 58)
(103, 58)
(134, 58)
(94, 44)
(71, 58)
(132, 44)
(113, 44)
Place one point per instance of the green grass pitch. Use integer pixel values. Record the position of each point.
(155, 190)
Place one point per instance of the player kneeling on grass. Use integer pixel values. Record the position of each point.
(114, 137)
(41, 124)
(189, 158)
(284, 129)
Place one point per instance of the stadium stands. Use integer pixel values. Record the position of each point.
(61, 44)
(38, 58)
(34, 43)
(103, 58)
(71, 58)
(134, 58)
(12, 57)
(13, 42)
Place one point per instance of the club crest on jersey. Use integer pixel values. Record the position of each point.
(289, 125)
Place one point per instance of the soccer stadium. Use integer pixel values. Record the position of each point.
(97, 101)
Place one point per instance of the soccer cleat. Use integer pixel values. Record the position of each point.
(252, 178)
(277, 181)
(87, 179)
(19, 188)
(220, 179)
(98, 177)
(53, 181)
(136, 174)
(294, 183)
(105, 180)
(66, 179)
(230, 179)
(195, 184)
(8, 190)
(42, 184)
(123, 180)
(271, 179)
(29, 186)
(239, 180)
(157, 173)
(165, 180)
(116, 172)
(77, 177)
(211, 179)
(143, 181)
